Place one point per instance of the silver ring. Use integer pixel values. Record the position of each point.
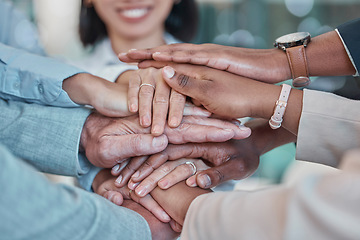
(192, 166)
(147, 84)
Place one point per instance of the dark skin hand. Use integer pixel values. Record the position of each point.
(325, 54)
(234, 159)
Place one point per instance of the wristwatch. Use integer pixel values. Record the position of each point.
(294, 45)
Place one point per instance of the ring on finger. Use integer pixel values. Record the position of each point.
(193, 166)
(147, 84)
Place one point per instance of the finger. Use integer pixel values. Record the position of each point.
(133, 94)
(131, 145)
(191, 109)
(176, 110)
(150, 182)
(128, 170)
(150, 204)
(160, 107)
(216, 175)
(135, 55)
(146, 94)
(115, 171)
(191, 181)
(114, 197)
(175, 226)
(181, 173)
(152, 163)
(202, 129)
(186, 84)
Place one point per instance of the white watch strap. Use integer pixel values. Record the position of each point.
(277, 118)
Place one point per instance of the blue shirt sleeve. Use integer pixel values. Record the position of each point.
(33, 78)
(25, 73)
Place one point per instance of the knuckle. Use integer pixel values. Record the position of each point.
(160, 100)
(219, 177)
(177, 97)
(165, 168)
(149, 165)
(183, 80)
(136, 144)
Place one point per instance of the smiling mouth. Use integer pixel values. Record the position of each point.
(135, 12)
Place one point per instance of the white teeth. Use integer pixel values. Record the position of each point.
(135, 13)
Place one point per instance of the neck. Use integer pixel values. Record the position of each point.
(120, 44)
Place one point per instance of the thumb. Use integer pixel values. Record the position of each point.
(182, 83)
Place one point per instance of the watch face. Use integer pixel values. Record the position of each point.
(293, 39)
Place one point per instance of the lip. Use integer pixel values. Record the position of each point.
(134, 14)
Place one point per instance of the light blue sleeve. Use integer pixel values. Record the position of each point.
(31, 207)
(47, 137)
(33, 78)
(17, 31)
(25, 74)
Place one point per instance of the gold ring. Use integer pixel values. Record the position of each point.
(130, 191)
(193, 166)
(147, 84)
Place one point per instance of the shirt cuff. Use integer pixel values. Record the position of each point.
(348, 53)
(87, 173)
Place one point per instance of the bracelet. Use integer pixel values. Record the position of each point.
(280, 106)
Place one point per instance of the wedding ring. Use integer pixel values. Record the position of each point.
(192, 166)
(147, 84)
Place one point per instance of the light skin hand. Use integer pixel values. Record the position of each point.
(267, 65)
(232, 96)
(103, 185)
(106, 97)
(192, 129)
(154, 105)
(176, 170)
(234, 159)
(108, 141)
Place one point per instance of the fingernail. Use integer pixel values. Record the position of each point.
(204, 180)
(140, 190)
(121, 54)
(156, 129)
(133, 108)
(135, 175)
(133, 49)
(116, 168)
(117, 200)
(145, 121)
(156, 53)
(132, 185)
(191, 182)
(118, 180)
(159, 141)
(169, 72)
(243, 127)
(174, 122)
(165, 216)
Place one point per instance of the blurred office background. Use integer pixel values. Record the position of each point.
(241, 23)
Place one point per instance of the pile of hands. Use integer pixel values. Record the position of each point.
(161, 138)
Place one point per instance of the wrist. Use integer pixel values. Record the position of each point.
(77, 88)
(281, 65)
(267, 95)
